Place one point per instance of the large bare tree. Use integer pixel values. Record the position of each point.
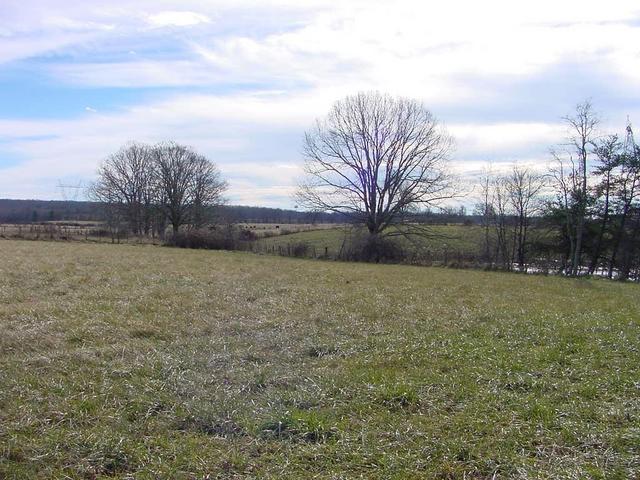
(125, 186)
(376, 158)
(188, 184)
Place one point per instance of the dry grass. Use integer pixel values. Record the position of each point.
(437, 238)
(149, 362)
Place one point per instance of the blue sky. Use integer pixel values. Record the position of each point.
(241, 81)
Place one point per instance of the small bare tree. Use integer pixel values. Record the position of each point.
(375, 159)
(485, 210)
(500, 211)
(523, 188)
(582, 131)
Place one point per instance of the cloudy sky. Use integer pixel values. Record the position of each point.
(242, 80)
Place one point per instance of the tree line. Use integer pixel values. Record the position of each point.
(42, 211)
(510, 205)
(596, 207)
(585, 207)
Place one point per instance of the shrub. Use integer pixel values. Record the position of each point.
(247, 235)
(100, 232)
(374, 248)
(203, 239)
(300, 249)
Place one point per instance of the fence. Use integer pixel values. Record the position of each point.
(62, 232)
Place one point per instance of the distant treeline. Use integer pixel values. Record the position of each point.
(38, 211)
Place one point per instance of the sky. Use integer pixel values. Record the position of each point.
(240, 81)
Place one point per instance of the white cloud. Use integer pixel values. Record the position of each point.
(177, 19)
(502, 138)
(412, 48)
(12, 48)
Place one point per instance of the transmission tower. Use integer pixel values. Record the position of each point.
(629, 141)
(71, 192)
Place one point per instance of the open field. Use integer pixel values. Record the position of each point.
(150, 362)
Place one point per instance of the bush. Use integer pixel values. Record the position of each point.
(100, 232)
(205, 239)
(374, 248)
(247, 235)
(300, 249)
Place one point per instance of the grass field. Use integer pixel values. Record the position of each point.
(454, 238)
(150, 362)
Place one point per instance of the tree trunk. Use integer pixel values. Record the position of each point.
(629, 252)
(603, 227)
(578, 246)
(617, 243)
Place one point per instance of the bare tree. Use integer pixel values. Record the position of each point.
(188, 184)
(523, 188)
(564, 176)
(375, 159)
(582, 130)
(484, 209)
(500, 220)
(208, 189)
(125, 184)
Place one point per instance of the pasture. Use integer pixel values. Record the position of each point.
(436, 239)
(121, 361)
